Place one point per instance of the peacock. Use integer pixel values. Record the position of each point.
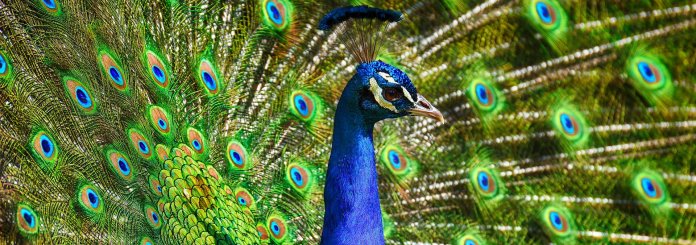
(306, 122)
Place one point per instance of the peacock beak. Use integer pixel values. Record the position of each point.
(424, 108)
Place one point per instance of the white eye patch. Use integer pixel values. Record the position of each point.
(387, 77)
(377, 92)
(390, 79)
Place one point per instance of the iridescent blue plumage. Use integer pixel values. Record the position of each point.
(353, 214)
(339, 15)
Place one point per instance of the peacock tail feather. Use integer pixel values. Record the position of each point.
(208, 122)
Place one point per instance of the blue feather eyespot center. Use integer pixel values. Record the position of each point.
(568, 124)
(648, 187)
(275, 228)
(556, 220)
(483, 180)
(49, 4)
(115, 75)
(82, 97)
(274, 13)
(296, 176)
(647, 72)
(159, 188)
(483, 94)
(46, 146)
(159, 74)
(3, 67)
(123, 166)
(28, 217)
(236, 157)
(208, 80)
(395, 159)
(143, 147)
(301, 105)
(93, 199)
(544, 12)
(469, 242)
(154, 217)
(162, 124)
(242, 201)
(196, 145)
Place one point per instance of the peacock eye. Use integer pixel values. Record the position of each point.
(392, 94)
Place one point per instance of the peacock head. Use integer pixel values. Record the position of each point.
(387, 92)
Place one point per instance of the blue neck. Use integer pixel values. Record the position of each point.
(353, 214)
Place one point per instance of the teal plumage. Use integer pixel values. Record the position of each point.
(210, 121)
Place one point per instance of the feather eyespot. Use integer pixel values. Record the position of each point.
(90, 199)
(397, 160)
(119, 164)
(145, 241)
(159, 118)
(276, 14)
(545, 12)
(112, 70)
(649, 72)
(299, 177)
(79, 94)
(50, 6)
(208, 77)
(277, 227)
(650, 188)
(303, 105)
(157, 69)
(262, 232)
(237, 155)
(570, 125)
(195, 139)
(486, 183)
(651, 76)
(27, 220)
(155, 186)
(45, 149)
(244, 198)
(392, 94)
(4, 66)
(484, 95)
(557, 222)
(140, 143)
(153, 217)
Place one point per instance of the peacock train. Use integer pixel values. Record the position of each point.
(465, 122)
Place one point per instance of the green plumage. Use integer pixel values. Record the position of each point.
(568, 121)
